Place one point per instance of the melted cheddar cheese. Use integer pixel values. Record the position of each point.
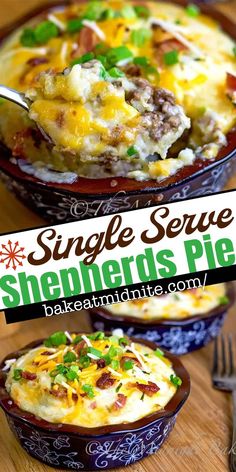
(92, 380)
(173, 306)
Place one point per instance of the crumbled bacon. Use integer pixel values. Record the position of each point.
(231, 86)
(105, 381)
(101, 363)
(61, 392)
(36, 61)
(28, 375)
(93, 405)
(87, 40)
(120, 402)
(130, 358)
(46, 353)
(166, 46)
(150, 389)
(80, 346)
(74, 397)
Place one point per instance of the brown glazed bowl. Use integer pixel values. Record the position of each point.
(86, 198)
(177, 336)
(73, 447)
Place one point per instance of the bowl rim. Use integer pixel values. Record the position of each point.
(170, 410)
(103, 313)
(149, 186)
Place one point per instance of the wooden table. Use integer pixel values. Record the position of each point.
(201, 438)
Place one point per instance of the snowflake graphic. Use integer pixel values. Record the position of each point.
(12, 255)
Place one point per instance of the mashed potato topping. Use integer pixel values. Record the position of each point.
(100, 118)
(91, 380)
(123, 89)
(177, 305)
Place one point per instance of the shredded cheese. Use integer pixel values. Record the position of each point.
(84, 337)
(68, 387)
(170, 28)
(68, 336)
(8, 364)
(94, 27)
(57, 22)
(116, 374)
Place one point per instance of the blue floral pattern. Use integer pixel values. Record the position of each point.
(46, 447)
(130, 448)
(68, 451)
(177, 339)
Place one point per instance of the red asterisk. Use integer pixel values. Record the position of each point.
(12, 255)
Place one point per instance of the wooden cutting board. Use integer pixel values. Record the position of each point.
(201, 438)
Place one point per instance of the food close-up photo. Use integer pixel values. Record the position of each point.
(109, 107)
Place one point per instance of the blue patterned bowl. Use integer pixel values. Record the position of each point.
(72, 447)
(177, 336)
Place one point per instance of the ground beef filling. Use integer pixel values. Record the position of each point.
(164, 116)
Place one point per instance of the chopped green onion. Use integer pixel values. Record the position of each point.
(141, 61)
(142, 397)
(94, 10)
(175, 380)
(118, 387)
(103, 60)
(128, 365)
(71, 374)
(142, 11)
(27, 38)
(74, 25)
(17, 374)
(115, 364)
(140, 37)
(192, 10)
(77, 339)
(74, 368)
(97, 336)
(118, 54)
(234, 50)
(159, 353)
(82, 59)
(103, 74)
(89, 390)
(151, 70)
(59, 379)
(112, 351)
(115, 72)
(45, 31)
(61, 369)
(224, 300)
(56, 339)
(178, 22)
(69, 357)
(107, 359)
(123, 342)
(128, 12)
(95, 352)
(108, 14)
(84, 361)
(132, 151)
(171, 58)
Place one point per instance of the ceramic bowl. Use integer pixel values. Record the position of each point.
(73, 447)
(93, 197)
(177, 336)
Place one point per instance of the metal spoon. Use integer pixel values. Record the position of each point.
(20, 99)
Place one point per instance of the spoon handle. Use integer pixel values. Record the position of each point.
(14, 96)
